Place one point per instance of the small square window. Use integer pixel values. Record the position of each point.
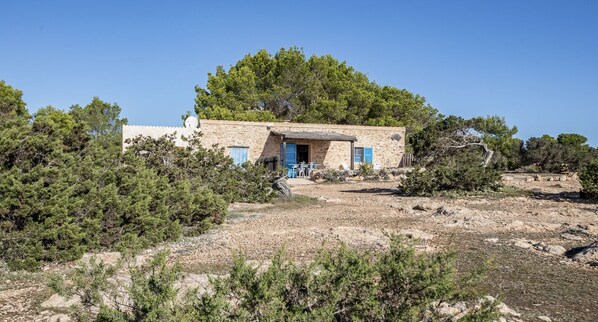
(363, 154)
(239, 154)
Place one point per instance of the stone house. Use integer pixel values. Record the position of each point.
(333, 146)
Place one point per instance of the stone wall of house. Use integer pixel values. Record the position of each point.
(261, 144)
(256, 136)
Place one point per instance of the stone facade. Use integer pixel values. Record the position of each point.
(262, 144)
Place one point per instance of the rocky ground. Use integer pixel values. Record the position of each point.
(535, 241)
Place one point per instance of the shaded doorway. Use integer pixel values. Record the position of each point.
(302, 153)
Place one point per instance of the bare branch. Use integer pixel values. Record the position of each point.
(489, 153)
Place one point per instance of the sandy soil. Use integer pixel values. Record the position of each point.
(530, 280)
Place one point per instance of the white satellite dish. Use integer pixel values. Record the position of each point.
(191, 122)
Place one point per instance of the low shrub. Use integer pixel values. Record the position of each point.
(365, 169)
(588, 178)
(467, 175)
(331, 175)
(339, 285)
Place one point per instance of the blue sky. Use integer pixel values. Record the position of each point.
(535, 62)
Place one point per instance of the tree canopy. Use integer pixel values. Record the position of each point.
(11, 102)
(318, 89)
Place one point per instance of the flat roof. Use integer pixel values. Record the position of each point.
(317, 136)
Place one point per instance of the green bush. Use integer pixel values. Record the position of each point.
(465, 175)
(339, 285)
(66, 187)
(366, 169)
(588, 178)
(209, 169)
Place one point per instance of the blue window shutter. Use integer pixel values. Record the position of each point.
(368, 155)
(291, 157)
(244, 152)
(239, 154)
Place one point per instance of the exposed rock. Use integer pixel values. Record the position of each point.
(445, 309)
(587, 254)
(571, 237)
(281, 186)
(555, 249)
(192, 281)
(537, 177)
(491, 240)
(58, 301)
(544, 318)
(505, 310)
(539, 246)
(515, 225)
(522, 243)
(442, 211)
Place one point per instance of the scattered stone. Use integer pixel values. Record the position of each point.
(522, 243)
(58, 301)
(507, 178)
(544, 318)
(537, 177)
(539, 246)
(281, 186)
(421, 208)
(587, 254)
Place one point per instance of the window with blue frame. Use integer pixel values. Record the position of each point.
(358, 155)
(363, 154)
(240, 154)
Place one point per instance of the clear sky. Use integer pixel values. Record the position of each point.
(535, 62)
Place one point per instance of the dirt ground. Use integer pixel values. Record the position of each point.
(533, 280)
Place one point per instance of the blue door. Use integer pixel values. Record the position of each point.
(290, 158)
